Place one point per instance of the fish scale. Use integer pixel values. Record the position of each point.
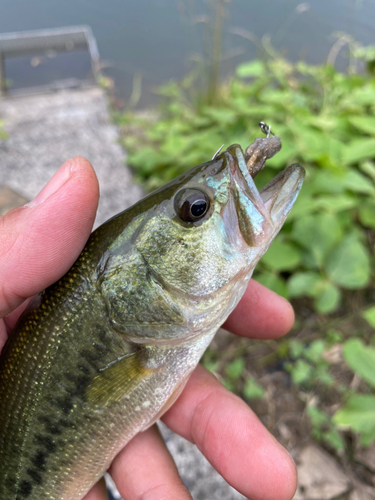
(102, 353)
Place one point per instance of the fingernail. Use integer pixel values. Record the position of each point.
(54, 184)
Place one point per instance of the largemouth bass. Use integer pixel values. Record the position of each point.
(104, 352)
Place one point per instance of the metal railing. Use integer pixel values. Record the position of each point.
(44, 41)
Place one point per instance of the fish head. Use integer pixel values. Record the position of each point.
(199, 238)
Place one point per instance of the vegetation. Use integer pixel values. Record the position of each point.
(3, 135)
(323, 260)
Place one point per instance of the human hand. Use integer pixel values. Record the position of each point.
(39, 243)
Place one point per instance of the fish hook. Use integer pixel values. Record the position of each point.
(266, 129)
(217, 152)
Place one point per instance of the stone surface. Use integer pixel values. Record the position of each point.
(366, 456)
(362, 492)
(44, 130)
(319, 476)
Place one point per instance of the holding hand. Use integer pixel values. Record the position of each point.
(39, 243)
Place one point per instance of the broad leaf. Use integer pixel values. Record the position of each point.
(348, 264)
(366, 215)
(300, 371)
(336, 204)
(252, 389)
(235, 369)
(359, 149)
(273, 282)
(317, 233)
(364, 123)
(369, 316)
(282, 256)
(358, 414)
(301, 284)
(250, 69)
(328, 299)
(361, 359)
(354, 181)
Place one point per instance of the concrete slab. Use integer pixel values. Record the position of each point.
(45, 130)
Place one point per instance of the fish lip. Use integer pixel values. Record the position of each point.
(275, 200)
(280, 193)
(260, 214)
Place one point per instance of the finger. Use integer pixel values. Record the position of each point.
(3, 334)
(41, 241)
(233, 439)
(261, 314)
(11, 319)
(145, 469)
(97, 492)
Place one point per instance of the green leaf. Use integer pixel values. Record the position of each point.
(235, 369)
(354, 181)
(359, 149)
(301, 284)
(301, 371)
(321, 421)
(282, 256)
(252, 389)
(317, 233)
(366, 214)
(369, 316)
(296, 348)
(336, 204)
(364, 95)
(325, 181)
(328, 299)
(210, 365)
(251, 69)
(358, 414)
(368, 167)
(273, 282)
(361, 359)
(364, 123)
(314, 351)
(224, 116)
(228, 384)
(348, 264)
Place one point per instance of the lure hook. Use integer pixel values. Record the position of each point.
(266, 129)
(217, 152)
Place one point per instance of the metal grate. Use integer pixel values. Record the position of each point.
(43, 41)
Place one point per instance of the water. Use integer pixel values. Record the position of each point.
(157, 38)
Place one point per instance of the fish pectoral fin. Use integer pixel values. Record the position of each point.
(117, 380)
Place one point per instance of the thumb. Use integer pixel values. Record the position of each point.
(40, 241)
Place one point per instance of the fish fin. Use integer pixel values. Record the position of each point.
(117, 379)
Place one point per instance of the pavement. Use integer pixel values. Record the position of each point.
(43, 131)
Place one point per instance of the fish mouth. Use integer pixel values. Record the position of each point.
(279, 195)
(262, 213)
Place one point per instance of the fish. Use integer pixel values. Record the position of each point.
(101, 354)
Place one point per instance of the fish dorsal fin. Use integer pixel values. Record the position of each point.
(117, 379)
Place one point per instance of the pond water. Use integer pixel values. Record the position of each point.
(159, 39)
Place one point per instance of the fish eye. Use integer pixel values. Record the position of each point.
(191, 204)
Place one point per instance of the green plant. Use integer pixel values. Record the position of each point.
(324, 257)
(325, 119)
(3, 134)
(323, 428)
(307, 365)
(358, 413)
